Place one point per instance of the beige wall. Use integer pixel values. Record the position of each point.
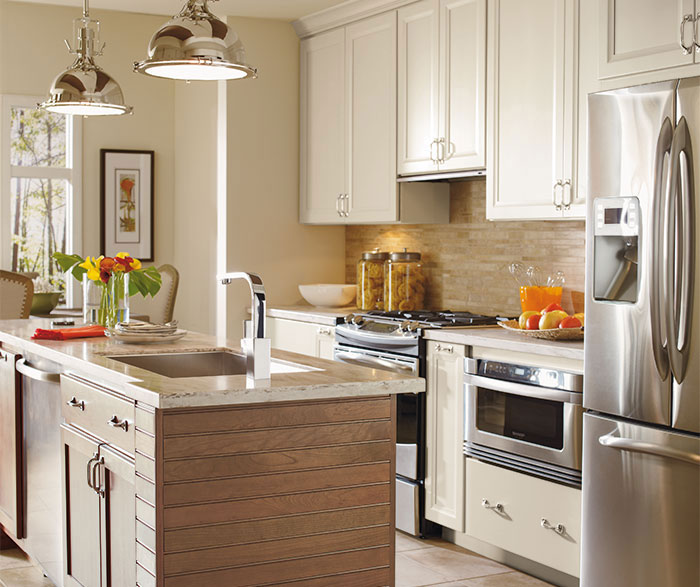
(264, 234)
(32, 53)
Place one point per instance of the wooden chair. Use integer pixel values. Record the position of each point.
(16, 293)
(159, 308)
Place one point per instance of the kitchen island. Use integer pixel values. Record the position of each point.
(217, 480)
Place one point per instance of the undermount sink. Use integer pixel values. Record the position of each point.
(203, 364)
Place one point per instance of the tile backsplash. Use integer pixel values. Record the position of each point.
(466, 260)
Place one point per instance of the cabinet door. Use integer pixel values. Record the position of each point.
(323, 138)
(530, 44)
(637, 36)
(444, 478)
(81, 515)
(463, 83)
(293, 336)
(370, 66)
(10, 445)
(118, 513)
(418, 57)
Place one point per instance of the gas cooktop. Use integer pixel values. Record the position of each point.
(427, 319)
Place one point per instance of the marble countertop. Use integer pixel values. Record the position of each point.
(511, 341)
(313, 314)
(88, 358)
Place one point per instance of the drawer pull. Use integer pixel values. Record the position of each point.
(74, 403)
(446, 349)
(559, 528)
(498, 507)
(115, 422)
(324, 331)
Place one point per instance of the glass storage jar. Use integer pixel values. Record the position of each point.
(404, 282)
(370, 280)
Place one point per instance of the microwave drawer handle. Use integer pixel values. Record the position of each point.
(533, 391)
(37, 374)
(365, 361)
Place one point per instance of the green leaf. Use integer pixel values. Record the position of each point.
(146, 281)
(70, 262)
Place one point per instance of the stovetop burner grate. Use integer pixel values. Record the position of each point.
(435, 319)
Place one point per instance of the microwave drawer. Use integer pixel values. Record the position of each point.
(520, 514)
(99, 412)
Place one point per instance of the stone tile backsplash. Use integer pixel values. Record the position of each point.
(466, 260)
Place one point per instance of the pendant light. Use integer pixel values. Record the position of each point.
(196, 45)
(84, 88)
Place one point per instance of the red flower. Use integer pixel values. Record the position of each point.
(106, 268)
(105, 275)
(124, 264)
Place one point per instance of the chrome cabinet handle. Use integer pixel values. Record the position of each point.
(567, 204)
(346, 205)
(696, 39)
(115, 422)
(554, 194)
(96, 485)
(74, 403)
(324, 331)
(433, 158)
(687, 49)
(559, 528)
(94, 459)
(446, 349)
(497, 508)
(441, 150)
(338, 204)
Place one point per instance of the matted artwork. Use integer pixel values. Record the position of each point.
(126, 207)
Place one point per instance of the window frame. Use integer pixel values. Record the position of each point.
(72, 173)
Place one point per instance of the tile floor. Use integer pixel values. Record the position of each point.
(419, 563)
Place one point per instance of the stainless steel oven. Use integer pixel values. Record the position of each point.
(524, 418)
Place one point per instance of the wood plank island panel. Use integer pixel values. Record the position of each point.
(282, 493)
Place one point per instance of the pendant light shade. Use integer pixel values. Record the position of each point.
(85, 89)
(196, 45)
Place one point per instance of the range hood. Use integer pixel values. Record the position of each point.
(449, 176)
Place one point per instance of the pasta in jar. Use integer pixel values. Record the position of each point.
(370, 280)
(404, 282)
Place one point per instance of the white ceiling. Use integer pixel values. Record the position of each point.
(282, 9)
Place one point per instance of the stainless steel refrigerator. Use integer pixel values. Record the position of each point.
(641, 456)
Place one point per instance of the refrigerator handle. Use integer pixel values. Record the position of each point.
(658, 264)
(648, 448)
(680, 238)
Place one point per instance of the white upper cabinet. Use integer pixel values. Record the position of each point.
(323, 120)
(370, 71)
(532, 110)
(441, 108)
(638, 36)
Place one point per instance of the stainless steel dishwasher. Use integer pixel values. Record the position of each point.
(41, 447)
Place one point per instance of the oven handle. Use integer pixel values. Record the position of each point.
(365, 361)
(536, 392)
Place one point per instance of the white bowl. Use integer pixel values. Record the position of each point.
(332, 295)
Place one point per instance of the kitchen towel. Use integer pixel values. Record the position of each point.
(68, 333)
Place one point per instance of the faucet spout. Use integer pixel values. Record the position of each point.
(254, 343)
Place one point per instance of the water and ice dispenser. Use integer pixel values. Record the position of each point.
(616, 264)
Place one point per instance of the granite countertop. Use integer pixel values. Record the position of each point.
(88, 358)
(313, 314)
(511, 341)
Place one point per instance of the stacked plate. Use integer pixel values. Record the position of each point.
(144, 332)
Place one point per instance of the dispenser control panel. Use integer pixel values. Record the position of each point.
(617, 216)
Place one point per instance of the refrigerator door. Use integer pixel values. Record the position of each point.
(685, 413)
(641, 512)
(626, 366)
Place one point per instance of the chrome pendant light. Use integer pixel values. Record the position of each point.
(196, 45)
(84, 88)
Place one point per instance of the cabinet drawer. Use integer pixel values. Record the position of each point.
(99, 412)
(518, 526)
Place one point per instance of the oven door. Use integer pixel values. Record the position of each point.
(524, 420)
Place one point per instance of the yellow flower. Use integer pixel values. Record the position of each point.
(92, 267)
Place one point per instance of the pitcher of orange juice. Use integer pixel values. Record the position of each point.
(537, 289)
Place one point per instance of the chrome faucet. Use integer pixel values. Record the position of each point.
(254, 344)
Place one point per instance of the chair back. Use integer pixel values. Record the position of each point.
(160, 307)
(16, 293)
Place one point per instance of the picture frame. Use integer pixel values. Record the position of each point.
(127, 203)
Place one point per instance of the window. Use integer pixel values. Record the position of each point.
(40, 207)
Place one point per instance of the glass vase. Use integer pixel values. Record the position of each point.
(106, 304)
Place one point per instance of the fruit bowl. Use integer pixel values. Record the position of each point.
(549, 334)
(329, 295)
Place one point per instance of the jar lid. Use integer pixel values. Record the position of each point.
(375, 255)
(405, 255)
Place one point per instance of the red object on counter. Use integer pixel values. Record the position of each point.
(69, 333)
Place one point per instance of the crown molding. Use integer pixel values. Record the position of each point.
(342, 14)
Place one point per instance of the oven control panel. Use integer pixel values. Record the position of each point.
(549, 378)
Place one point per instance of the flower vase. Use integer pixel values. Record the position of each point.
(106, 304)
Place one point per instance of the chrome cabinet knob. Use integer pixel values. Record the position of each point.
(687, 49)
(497, 508)
(74, 403)
(115, 422)
(558, 528)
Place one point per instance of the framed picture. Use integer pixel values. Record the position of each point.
(126, 205)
